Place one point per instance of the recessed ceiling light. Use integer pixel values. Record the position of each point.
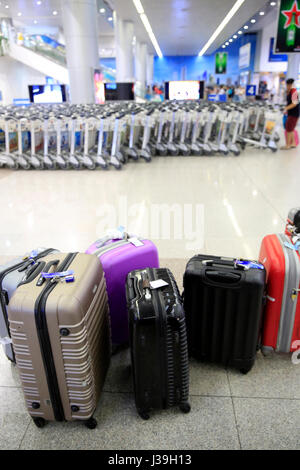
(6, 6)
(55, 12)
(227, 43)
(223, 46)
(240, 32)
(19, 14)
(253, 21)
(230, 40)
(39, 2)
(235, 36)
(110, 18)
(35, 21)
(102, 10)
(261, 13)
(273, 4)
(246, 27)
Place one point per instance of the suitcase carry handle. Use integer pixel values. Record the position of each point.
(32, 273)
(49, 265)
(217, 277)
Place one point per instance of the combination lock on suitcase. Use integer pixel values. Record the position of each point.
(159, 351)
(223, 302)
(59, 324)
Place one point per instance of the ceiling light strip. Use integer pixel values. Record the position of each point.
(140, 9)
(220, 28)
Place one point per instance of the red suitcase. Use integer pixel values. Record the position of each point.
(281, 328)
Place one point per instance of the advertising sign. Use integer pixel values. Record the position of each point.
(221, 62)
(245, 56)
(288, 29)
(276, 57)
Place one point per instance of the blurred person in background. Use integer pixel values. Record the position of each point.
(292, 110)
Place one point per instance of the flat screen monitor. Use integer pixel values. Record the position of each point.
(47, 93)
(119, 91)
(184, 90)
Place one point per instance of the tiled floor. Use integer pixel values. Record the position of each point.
(241, 199)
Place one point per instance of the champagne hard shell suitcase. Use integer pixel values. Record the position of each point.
(159, 353)
(223, 302)
(11, 274)
(281, 331)
(119, 256)
(60, 330)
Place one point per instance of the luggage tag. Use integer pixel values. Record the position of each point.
(248, 265)
(135, 241)
(158, 284)
(67, 276)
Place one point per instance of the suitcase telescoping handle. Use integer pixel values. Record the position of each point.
(239, 264)
(48, 266)
(222, 278)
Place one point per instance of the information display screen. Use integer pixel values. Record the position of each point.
(184, 90)
(47, 93)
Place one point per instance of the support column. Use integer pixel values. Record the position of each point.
(140, 68)
(81, 35)
(124, 34)
(293, 66)
(150, 69)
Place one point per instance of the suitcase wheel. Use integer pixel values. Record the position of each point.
(39, 422)
(245, 371)
(185, 407)
(144, 415)
(91, 423)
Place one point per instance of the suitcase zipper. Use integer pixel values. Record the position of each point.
(45, 343)
(163, 331)
(3, 300)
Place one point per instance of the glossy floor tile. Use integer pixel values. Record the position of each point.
(221, 206)
(184, 204)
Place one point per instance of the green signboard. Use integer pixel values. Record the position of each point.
(288, 33)
(221, 62)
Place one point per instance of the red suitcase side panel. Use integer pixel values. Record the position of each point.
(296, 332)
(272, 257)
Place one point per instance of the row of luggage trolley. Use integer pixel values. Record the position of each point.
(61, 313)
(102, 136)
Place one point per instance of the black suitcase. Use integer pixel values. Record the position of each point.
(223, 301)
(159, 352)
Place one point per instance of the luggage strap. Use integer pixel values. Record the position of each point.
(115, 234)
(295, 247)
(6, 340)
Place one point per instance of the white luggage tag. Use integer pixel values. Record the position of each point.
(136, 242)
(158, 284)
(6, 340)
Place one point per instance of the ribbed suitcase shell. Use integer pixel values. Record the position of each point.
(223, 318)
(282, 312)
(158, 342)
(77, 321)
(118, 258)
(11, 274)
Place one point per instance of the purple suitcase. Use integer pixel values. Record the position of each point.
(119, 257)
